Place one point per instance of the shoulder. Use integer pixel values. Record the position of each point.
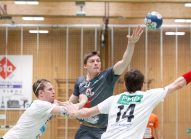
(107, 71)
(42, 107)
(42, 103)
(80, 79)
(155, 116)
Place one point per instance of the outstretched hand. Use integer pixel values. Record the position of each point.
(70, 108)
(137, 32)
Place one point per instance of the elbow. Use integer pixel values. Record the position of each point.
(179, 86)
(86, 114)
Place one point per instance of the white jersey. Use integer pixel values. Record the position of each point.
(33, 121)
(128, 114)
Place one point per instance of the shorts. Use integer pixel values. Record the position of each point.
(85, 132)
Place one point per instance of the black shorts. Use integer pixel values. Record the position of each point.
(85, 132)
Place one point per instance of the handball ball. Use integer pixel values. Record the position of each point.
(153, 20)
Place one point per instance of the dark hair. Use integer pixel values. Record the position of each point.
(90, 54)
(134, 80)
(39, 85)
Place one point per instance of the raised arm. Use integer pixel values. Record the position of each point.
(120, 66)
(179, 83)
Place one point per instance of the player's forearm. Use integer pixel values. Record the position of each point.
(179, 83)
(120, 66)
(128, 54)
(83, 113)
(73, 99)
(81, 104)
(83, 99)
(176, 85)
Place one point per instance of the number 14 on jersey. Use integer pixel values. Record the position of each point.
(127, 114)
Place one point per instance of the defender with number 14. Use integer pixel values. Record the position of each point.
(129, 112)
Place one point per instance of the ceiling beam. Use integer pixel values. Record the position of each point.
(127, 10)
(129, 1)
(67, 10)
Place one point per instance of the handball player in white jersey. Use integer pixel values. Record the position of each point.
(34, 120)
(129, 112)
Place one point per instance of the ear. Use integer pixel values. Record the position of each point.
(40, 93)
(85, 67)
(142, 86)
(125, 85)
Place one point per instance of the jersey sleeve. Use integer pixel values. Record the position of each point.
(104, 106)
(154, 96)
(111, 77)
(43, 107)
(76, 88)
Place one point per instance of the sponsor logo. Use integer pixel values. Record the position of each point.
(123, 125)
(80, 84)
(6, 68)
(87, 84)
(87, 105)
(38, 136)
(89, 93)
(93, 119)
(95, 81)
(126, 100)
(42, 129)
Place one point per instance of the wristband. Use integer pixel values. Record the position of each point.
(63, 112)
(187, 77)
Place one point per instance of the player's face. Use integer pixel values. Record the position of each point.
(93, 65)
(48, 92)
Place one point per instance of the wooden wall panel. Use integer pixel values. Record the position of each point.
(50, 63)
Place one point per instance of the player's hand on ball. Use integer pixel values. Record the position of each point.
(137, 32)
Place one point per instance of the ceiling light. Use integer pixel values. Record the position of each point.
(33, 18)
(33, 31)
(187, 4)
(38, 31)
(38, 18)
(182, 20)
(179, 20)
(180, 33)
(169, 33)
(43, 31)
(20, 2)
(174, 33)
(81, 4)
(27, 2)
(27, 18)
(32, 2)
(188, 20)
